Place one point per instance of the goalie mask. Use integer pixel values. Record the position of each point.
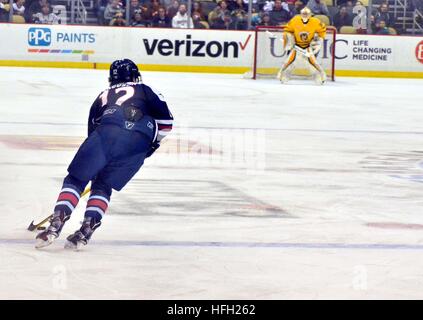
(305, 14)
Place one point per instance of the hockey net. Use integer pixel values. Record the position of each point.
(269, 55)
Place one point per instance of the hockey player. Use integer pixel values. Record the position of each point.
(126, 124)
(306, 35)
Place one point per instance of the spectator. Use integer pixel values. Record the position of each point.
(154, 7)
(137, 20)
(381, 28)
(118, 20)
(383, 14)
(223, 22)
(269, 5)
(342, 18)
(101, 7)
(350, 6)
(18, 8)
(161, 20)
(198, 9)
(255, 18)
(4, 11)
(231, 4)
(181, 19)
(298, 6)
(240, 20)
(146, 12)
(279, 15)
(134, 6)
(173, 9)
(218, 12)
(239, 5)
(45, 16)
(265, 20)
(34, 8)
(196, 18)
(318, 7)
(112, 8)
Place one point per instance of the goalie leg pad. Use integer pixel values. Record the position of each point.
(283, 74)
(290, 61)
(314, 63)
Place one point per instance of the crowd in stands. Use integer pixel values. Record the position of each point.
(37, 11)
(225, 14)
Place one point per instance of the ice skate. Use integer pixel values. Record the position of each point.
(46, 237)
(81, 237)
(283, 76)
(320, 78)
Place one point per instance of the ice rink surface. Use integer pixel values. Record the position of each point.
(262, 191)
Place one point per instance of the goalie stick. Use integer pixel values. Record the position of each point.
(39, 226)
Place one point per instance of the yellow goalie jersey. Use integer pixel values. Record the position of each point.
(304, 32)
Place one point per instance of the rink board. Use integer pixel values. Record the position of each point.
(188, 50)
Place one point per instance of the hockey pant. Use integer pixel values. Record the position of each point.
(109, 158)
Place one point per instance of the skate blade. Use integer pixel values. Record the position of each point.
(71, 246)
(43, 243)
(319, 81)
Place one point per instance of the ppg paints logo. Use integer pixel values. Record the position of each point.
(39, 37)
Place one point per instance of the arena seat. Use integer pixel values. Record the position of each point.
(18, 19)
(392, 31)
(348, 29)
(323, 18)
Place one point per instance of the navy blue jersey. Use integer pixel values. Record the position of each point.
(126, 104)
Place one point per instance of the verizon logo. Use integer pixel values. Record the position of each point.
(195, 48)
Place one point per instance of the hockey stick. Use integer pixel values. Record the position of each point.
(39, 226)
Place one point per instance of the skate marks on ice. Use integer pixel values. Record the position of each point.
(225, 244)
(401, 165)
(190, 198)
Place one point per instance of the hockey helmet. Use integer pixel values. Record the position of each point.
(124, 70)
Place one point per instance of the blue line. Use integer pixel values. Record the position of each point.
(219, 244)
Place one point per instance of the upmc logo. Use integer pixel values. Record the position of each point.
(39, 37)
(419, 52)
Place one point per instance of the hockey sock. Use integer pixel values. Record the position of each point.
(68, 199)
(97, 205)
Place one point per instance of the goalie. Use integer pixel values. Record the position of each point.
(303, 37)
